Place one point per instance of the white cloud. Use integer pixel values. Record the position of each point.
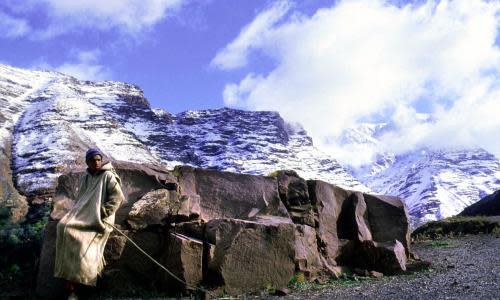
(86, 66)
(134, 15)
(129, 17)
(236, 53)
(11, 27)
(366, 59)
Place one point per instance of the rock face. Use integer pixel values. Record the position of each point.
(251, 255)
(234, 231)
(487, 206)
(13, 206)
(185, 260)
(231, 195)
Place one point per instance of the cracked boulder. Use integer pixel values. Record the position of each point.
(385, 257)
(231, 195)
(249, 256)
(307, 258)
(327, 201)
(388, 219)
(294, 193)
(184, 258)
(160, 206)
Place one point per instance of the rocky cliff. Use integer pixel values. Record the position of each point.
(234, 232)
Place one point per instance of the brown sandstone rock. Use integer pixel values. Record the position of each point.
(48, 287)
(353, 220)
(153, 208)
(375, 274)
(154, 243)
(65, 194)
(294, 193)
(13, 206)
(137, 180)
(387, 257)
(161, 206)
(231, 195)
(249, 256)
(244, 238)
(327, 206)
(183, 258)
(307, 258)
(388, 219)
(114, 247)
(342, 215)
(194, 229)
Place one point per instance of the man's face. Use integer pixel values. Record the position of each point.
(94, 163)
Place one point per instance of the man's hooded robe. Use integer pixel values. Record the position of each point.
(82, 233)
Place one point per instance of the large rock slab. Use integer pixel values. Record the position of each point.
(48, 287)
(294, 194)
(184, 258)
(341, 215)
(388, 219)
(231, 195)
(327, 205)
(387, 257)
(249, 256)
(137, 180)
(163, 206)
(233, 231)
(353, 220)
(307, 258)
(127, 267)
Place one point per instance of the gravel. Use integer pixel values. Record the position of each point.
(466, 267)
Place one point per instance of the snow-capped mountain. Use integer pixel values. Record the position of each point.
(434, 183)
(48, 120)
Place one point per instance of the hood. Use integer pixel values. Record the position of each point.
(107, 166)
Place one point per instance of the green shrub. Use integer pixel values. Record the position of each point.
(297, 280)
(457, 225)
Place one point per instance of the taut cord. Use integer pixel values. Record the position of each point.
(157, 263)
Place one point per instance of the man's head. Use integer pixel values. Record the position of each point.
(93, 157)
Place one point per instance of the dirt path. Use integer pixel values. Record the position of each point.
(462, 268)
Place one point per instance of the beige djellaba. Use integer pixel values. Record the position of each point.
(82, 233)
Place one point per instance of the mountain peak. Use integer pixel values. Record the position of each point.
(50, 119)
(434, 183)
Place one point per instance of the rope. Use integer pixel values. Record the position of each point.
(157, 263)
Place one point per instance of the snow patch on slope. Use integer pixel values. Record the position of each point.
(434, 183)
(58, 117)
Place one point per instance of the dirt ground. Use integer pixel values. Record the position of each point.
(466, 267)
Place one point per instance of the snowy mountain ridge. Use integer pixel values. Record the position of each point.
(49, 119)
(434, 183)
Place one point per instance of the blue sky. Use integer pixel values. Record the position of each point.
(169, 58)
(329, 65)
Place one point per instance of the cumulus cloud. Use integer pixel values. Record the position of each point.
(84, 66)
(12, 27)
(368, 60)
(129, 17)
(235, 54)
